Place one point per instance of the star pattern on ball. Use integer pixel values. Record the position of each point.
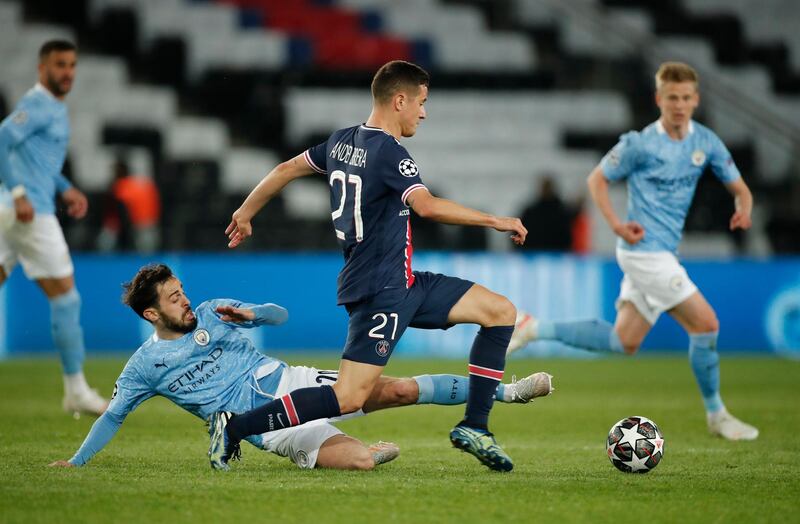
(636, 463)
(630, 436)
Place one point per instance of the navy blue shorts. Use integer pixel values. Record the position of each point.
(378, 323)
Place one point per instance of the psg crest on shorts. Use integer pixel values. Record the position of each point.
(382, 348)
(201, 337)
(408, 168)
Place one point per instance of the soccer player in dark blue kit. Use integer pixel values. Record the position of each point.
(373, 182)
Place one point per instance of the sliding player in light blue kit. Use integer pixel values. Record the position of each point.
(200, 361)
(33, 146)
(661, 165)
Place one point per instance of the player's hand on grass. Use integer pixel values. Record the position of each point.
(76, 202)
(23, 209)
(631, 232)
(61, 464)
(740, 220)
(239, 229)
(515, 226)
(235, 314)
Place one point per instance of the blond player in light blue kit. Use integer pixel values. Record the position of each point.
(33, 146)
(661, 165)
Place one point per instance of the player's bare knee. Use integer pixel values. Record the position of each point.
(709, 325)
(349, 403)
(630, 349)
(629, 345)
(501, 312)
(404, 392)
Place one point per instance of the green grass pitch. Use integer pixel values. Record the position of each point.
(155, 469)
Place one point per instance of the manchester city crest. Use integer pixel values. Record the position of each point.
(201, 337)
(698, 157)
(20, 117)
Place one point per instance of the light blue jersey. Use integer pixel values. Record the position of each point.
(33, 146)
(662, 174)
(213, 368)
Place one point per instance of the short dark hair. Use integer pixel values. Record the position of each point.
(395, 76)
(142, 292)
(55, 45)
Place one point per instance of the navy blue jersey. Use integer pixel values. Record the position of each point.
(371, 176)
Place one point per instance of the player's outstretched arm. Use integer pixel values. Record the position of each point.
(632, 232)
(251, 315)
(448, 212)
(272, 184)
(101, 433)
(743, 200)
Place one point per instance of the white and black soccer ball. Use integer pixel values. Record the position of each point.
(408, 168)
(635, 445)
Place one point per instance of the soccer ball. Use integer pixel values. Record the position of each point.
(635, 445)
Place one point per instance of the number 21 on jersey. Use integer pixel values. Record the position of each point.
(347, 217)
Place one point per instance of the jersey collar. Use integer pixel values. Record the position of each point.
(42, 89)
(370, 128)
(661, 131)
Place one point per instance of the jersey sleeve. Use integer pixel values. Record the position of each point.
(399, 171)
(25, 120)
(621, 160)
(129, 391)
(721, 162)
(315, 156)
(266, 314)
(62, 184)
(101, 434)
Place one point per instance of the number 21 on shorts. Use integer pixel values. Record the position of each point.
(382, 320)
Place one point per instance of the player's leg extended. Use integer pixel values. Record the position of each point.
(346, 452)
(448, 390)
(354, 385)
(699, 320)
(495, 314)
(65, 310)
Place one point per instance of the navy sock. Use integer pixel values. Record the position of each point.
(298, 407)
(487, 361)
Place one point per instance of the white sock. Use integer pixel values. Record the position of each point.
(75, 383)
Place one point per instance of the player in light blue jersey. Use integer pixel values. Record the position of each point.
(33, 146)
(661, 166)
(203, 363)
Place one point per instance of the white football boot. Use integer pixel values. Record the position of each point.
(525, 390)
(525, 330)
(727, 426)
(383, 452)
(84, 401)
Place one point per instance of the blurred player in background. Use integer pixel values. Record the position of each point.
(661, 165)
(33, 146)
(373, 182)
(203, 363)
